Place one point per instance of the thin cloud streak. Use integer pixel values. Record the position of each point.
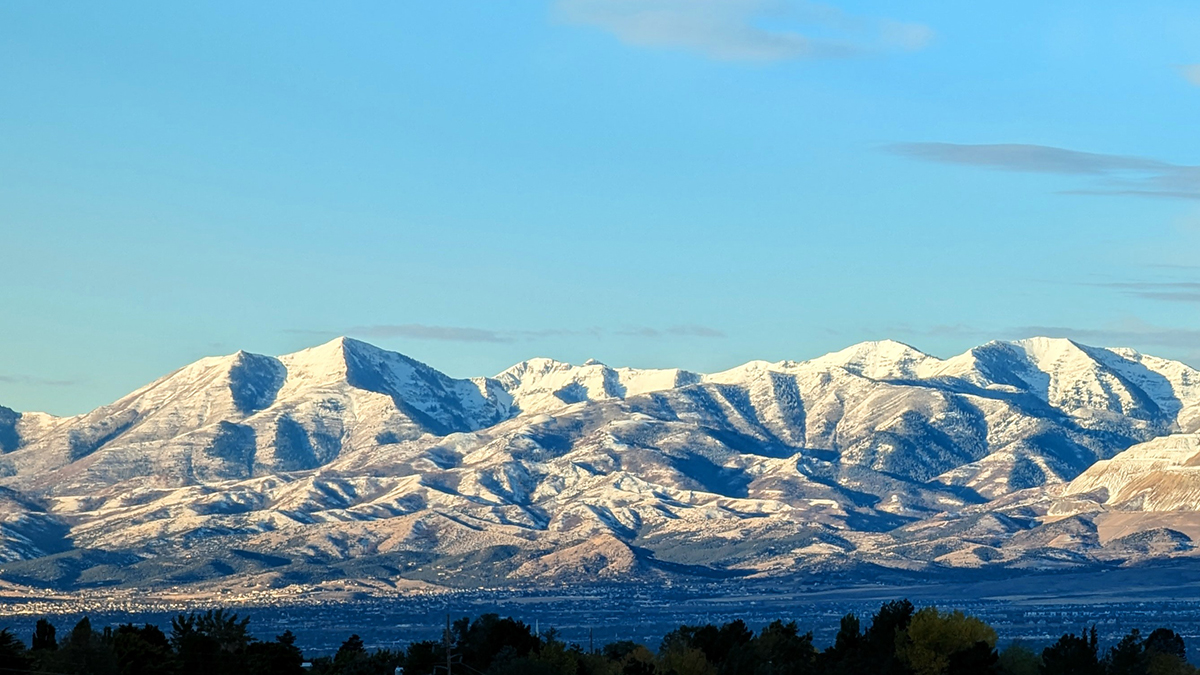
(695, 331)
(746, 30)
(1026, 158)
(27, 380)
(1168, 291)
(1153, 194)
(437, 333)
(676, 331)
(1111, 175)
(416, 331)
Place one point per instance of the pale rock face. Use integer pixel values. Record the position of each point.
(1027, 453)
(1159, 475)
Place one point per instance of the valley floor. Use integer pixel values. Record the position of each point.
(1034, 609)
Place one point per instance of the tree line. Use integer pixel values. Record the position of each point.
(898, 640)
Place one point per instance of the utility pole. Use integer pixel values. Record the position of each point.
(591, 645)
(447, 638)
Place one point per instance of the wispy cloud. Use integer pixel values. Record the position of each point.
(28, 380)
(1191, 73)
(1171, 266)
(425, 332)
(677, 331)
(1169, 291)
(418, 331)
(1113, 175)
(746, 30)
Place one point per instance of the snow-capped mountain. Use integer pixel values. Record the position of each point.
(349, 460)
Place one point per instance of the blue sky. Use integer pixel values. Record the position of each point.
(686, 183)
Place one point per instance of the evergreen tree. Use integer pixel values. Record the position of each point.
(352, 658)
(1128, 656)
(1072, 655)
(43, 637)
(421, 658)
(879, 653)
(280, 657)
(844, 657)
(85, 651)
(781, 650)
(142, 651)
(13, 657)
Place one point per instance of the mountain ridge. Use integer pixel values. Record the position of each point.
(344, 453)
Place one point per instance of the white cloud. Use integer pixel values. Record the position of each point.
(746, 30)
(1191, 73)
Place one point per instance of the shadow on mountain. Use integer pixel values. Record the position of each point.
(750, 445)
(233, 446)
(698, 571)
(713, 478)
(9, 438)
(82, 442)
(254, 381)
(296, 449)
(70, 570)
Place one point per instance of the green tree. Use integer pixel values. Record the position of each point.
(1127, 657)
(639, 661)
(213, 640)
(595, 664)
(280, 657)
(683, 659)
(1166, 641)
(1168, 664)
(142, 651)
(782, 650)
(384, 661)
(421, 658)
(932, 640)
(727, 648)
(479, 642)
(557, 656)
(1017, 659)
(84, 651)
(352, 658)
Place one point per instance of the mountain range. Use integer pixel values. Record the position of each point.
(346, 463)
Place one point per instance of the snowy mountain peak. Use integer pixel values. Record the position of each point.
(882, 359)
(541, 385)
(325, 362)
